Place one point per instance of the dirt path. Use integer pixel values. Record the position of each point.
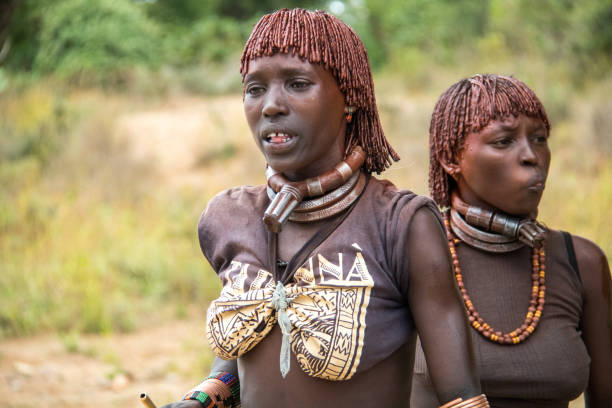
(104, 372)
(196, 142)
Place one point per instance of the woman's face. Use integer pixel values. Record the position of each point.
(504, 166)
(296, 114)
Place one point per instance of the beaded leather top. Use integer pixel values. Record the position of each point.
(346, 303)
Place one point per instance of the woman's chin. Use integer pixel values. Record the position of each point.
(521, 212)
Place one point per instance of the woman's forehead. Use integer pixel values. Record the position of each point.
(512, 121)
(278, 59)
(285, 65)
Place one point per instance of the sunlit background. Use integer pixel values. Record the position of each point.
(119, 119)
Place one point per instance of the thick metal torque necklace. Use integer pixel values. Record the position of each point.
(502, 233)
(331, 193)
(456, 233)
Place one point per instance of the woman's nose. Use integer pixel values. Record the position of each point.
(527, 154)
(275, 102)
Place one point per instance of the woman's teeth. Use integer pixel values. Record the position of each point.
(278, 137)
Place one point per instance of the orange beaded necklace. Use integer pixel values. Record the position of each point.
(536, 304)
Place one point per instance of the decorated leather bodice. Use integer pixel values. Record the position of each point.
(347, 300)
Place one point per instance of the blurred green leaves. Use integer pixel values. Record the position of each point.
(574, 33)
(95, 40)
(100, 41)
(437, 28)
(210, 39)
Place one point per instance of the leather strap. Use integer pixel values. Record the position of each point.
(571, 253)
(302, 254)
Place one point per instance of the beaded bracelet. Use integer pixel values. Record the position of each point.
(232, 382)
(222, 378)
(201, 396)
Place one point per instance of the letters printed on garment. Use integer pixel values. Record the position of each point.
(327, 313)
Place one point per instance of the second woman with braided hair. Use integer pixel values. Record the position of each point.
(538, 299)
(328, 273)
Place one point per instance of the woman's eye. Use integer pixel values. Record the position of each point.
(503, 142)
(541, 138)
(299, 84)
(255, 90)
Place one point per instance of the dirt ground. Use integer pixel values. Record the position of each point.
(102, 371)
(105, 372)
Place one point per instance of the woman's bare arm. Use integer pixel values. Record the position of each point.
(438, 310)
(229, 366)
(596, 320)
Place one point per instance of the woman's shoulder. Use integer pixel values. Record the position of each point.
(587, 251)
(586, 257)
(592, 263)
(401, 208)
(239, 196)
(386, 194)
(229, 214)
(234, 203)
(402, 204)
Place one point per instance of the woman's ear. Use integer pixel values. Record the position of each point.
(348, 113)
(452, 169)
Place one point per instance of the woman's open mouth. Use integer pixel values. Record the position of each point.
(277, 142)
(278, 137)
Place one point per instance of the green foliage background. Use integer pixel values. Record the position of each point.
(90, 241)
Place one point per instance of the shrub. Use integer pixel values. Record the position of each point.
(95, 41)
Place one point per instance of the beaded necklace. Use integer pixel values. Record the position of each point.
(536, 304)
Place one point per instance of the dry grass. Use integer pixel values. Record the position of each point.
(103, 231)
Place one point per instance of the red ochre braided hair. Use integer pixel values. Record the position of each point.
(320, 38)
(468, 106)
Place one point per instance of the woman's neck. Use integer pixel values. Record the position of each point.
(468, 199)
(472, 223)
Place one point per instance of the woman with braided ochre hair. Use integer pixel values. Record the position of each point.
(538, 299)
(343, 269)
